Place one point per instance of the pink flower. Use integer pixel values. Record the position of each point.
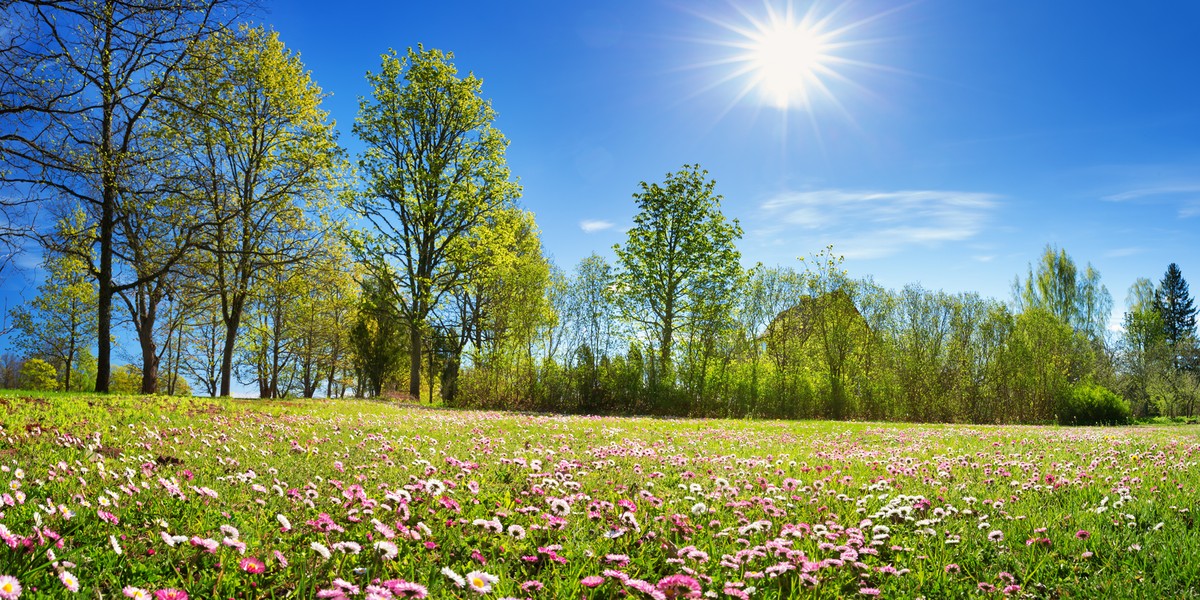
(591, 581)
(170, 594)
(953, 568)
(135, 593)
(252, 565)
(69, 581)
(869, 591)
(10, 588)
(1011, 589)
(1082, 534)
(679, 586)
(406, 589)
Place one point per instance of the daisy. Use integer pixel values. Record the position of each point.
(455, 577)
(10, 588)
(320, 548)
(135, 593)
(387, 549)
(408, 589)
(481, 582)
(252, 565)
(69, 581)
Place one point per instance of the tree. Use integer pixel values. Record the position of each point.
(37, 374)
(1175, 306)
(435, 173)
(1057, 287)
(376, 341)
(261, 156)
(679, 257)
(83, 77)
(61, 320)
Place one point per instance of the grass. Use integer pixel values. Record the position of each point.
(189, 490)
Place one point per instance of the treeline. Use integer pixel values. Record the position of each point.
(203, 208)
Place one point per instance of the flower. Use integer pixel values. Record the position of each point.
(591, 581)
(170, 594)
(112, 539)
(869, 591)
(481, 582)
(679, 586)
(69, 581)
(455, 577)
(996, 536)
(320, 549)
(407, 589)
(1083, 534)
(252, 565)
(387, 550)
(135, 593)
(10, 588)
(516, 531)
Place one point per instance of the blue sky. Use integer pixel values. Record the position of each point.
(957, 138)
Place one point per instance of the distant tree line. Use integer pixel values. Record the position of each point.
(192, 195)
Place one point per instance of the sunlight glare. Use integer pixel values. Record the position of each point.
(786, 59)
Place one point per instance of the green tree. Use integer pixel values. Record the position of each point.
(61, 321)
(1175, 306)
(82, 83)
(37, 374)
(435, 174)
(1077, 299)
(679, 259)
(260, 155)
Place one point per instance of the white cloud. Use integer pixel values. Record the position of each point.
(1123, 252)
(1147, 192)
(875, 224)
(594, 225)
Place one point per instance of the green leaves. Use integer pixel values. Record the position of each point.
(437, 188)
(679, 263)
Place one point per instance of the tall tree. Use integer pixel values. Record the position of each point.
(1057, 287)
(85, 74)
(61, 321)
(435, 174)
(680, 256)
(261, 156)
(1175, 305)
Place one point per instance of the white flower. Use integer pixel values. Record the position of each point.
(516, 531)
(112, 539)
(320, 549)
(481, 582)
(284, 522)
(699, 508)
(455, 577)
(387, 549)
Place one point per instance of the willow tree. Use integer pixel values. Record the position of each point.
(679, 261)
(435, 175)
(261, 156)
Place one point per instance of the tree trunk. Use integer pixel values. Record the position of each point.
(231, 328)
(414, 367)
(149, 357)
(104, 313)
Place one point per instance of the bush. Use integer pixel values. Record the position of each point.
(1091, 404)
(37, 374)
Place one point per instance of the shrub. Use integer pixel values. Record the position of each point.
(37, 374)
(1091, 404)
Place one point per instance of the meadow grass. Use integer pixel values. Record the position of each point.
(169, 498)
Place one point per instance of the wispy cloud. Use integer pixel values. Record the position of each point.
(1123, 252)
(876, 224)
(1154, 191)
(594, 225)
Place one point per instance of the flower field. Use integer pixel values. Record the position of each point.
(164, 498)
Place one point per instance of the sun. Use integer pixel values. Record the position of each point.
(788, 60)
(794, 60)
